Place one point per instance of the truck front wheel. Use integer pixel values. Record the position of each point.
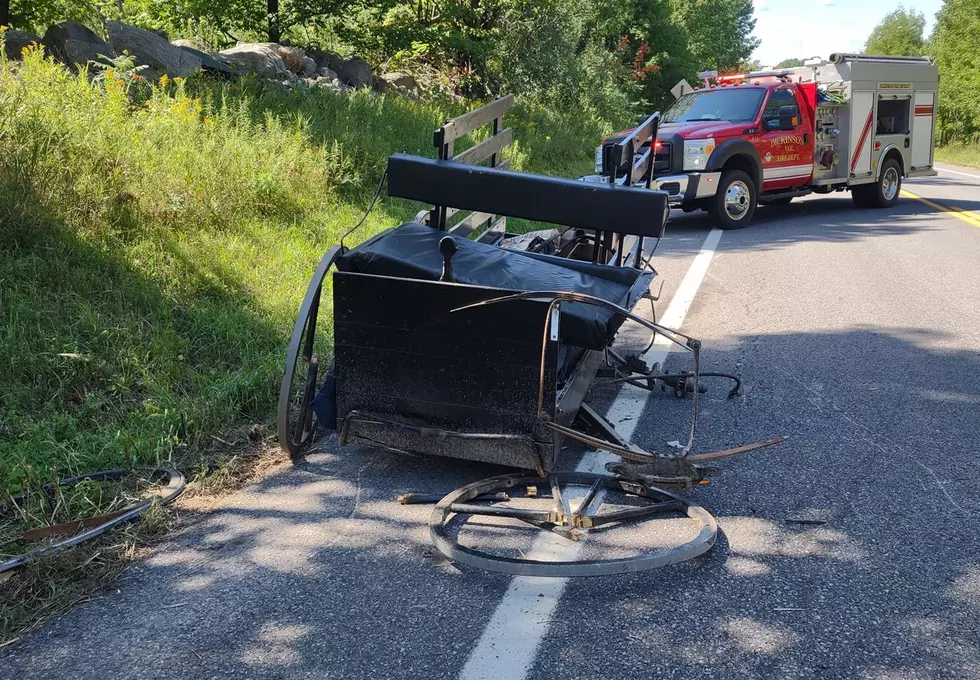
(734, 204)
(884, 192)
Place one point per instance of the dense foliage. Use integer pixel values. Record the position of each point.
(954, 45)
(156, 238)
(899, 32)
(599, 58)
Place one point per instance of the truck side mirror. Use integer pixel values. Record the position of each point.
(789, 117)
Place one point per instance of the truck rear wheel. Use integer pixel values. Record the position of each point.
(883, 193)
(734, 204)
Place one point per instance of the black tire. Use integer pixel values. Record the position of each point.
(861, 195)
(734, 204)
(883, 193)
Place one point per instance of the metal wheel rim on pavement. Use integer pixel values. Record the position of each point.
(528, 567)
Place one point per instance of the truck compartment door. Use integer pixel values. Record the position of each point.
(923, 129)
(859, 151)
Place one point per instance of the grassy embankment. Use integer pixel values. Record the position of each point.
(958, 154)
(155, 242)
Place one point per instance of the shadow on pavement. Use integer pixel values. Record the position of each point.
(831, 219)
(317, 572)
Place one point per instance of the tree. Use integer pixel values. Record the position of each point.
(789, 63)
(719, 31)
(898, 34)
(4, 12)
(954, 46)
(656, 49)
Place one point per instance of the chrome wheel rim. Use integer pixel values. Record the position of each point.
(889, 183)
(737, 198)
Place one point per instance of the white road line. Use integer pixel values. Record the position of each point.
(517, 628)
(957, 172)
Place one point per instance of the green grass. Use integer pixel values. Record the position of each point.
(156, 240)
(958, 154)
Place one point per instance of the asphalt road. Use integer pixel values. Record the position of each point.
(856, 333)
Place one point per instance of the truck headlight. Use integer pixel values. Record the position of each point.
(598, 160)
(696, 153)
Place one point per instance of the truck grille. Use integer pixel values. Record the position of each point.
(661, 160)
(607, 165)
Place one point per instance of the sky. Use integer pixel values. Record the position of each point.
(810, 28)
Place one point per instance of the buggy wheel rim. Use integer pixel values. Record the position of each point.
(737, 197)
(451, 548)
(296, 430)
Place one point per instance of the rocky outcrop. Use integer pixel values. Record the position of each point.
(75, 45)
(292, 56)
(401, 81)
(257, 58)
(354, 72)
(208, 63)
(326, 59)
(15, 41)
(289, 66)
(150, 49)
(308, 68)
(192, 44)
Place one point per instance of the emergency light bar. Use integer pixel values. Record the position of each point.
(770, 74)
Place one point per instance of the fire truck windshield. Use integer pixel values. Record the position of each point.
(733, 104)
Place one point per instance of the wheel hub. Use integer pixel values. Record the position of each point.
(737, 200)
(889, 183)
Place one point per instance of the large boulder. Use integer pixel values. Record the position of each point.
(208, 63)
(151, 49)
(354, 72)
(15, 41)
(193, 44)
(292, 56)
(75, 45)
(326, 59)
(401, 81)
(257, 58)
(309, 67)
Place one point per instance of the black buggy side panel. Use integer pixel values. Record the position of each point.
(436, 377)
(411, 251)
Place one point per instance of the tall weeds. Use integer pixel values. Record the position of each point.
(156, 238)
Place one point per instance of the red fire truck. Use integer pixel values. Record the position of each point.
(853, 123)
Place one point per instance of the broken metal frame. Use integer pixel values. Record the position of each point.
(554, 299)
(175, 485)
(584, 517)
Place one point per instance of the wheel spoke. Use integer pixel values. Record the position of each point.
(583, 507)
(498, 511)
(635, 513)
(561, 503)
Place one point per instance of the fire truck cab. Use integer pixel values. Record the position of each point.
(852, 123)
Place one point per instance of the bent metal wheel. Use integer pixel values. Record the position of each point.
(296, 422)
(644, 503)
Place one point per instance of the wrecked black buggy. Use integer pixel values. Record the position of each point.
(468, 342)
